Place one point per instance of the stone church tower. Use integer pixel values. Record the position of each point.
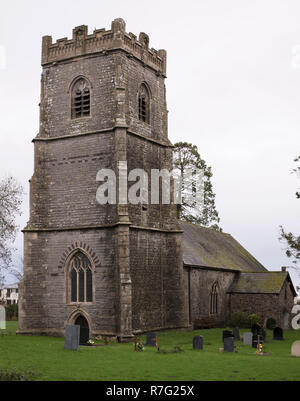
(114, 268)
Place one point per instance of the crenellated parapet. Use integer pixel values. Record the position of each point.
(103, 41)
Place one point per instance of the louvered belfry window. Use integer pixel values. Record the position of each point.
(81, 278)
(81, 99)
(144, 104)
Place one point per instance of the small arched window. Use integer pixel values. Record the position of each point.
(213, 300)
(81, 98)
(81, 278)
(144, 104)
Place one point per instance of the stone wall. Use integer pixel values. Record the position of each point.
(63, 187)
(276, 306)
(199, 283)
(157, 280)
(44, 302)
(64, 213)
(56, 86)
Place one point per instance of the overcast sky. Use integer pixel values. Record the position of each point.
(233, 89)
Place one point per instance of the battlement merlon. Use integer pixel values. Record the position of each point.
(102, 41)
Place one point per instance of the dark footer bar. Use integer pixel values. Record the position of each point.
(147, 389)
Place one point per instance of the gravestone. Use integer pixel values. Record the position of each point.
(295, 350)
(2, 318)
(278, 333)
(198, 342)
(236, 334)
(84, 336)
(151, 339)
(248, 338)
(255, 339)
(229, 344)
(72, 335)
(227, 334)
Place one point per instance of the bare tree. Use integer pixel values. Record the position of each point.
(10, 202)
(291, 240)
(16, 271)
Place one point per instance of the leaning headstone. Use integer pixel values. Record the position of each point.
(236, 334)
(151, 339)
(278, 333)
(247, 337)
(295, 350)
(2, 318)
(229, 344)
(227, 334)
(72, 334)
(198, 342)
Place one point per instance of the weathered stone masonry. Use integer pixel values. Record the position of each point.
(135, 252)
(149, 271)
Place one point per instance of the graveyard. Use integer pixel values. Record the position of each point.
(171, 357)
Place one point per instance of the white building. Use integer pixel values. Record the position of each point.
(9, 295)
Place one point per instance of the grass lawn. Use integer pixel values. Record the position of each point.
(46, 356)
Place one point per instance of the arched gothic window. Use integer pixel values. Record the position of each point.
(80, 98)
(213, 298)
(81, 278)
(144, 104)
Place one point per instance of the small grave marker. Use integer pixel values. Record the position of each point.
(256, 339)
(72, 334)
(135, 350)
(295, 350)
(236, 334)
(247, 338)
(277, 333)
(156, 343)
(229, 344)
(198, 342)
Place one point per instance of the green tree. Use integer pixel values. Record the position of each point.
(291, 240)
(10, 201)
(186, 156)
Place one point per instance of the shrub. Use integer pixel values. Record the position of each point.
(11, 312)
(242, 320)
(15, 375)
(238, 319)
(253, 319)
(271, 323)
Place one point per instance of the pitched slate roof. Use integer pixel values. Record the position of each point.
(204, 247)
(269, 282)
